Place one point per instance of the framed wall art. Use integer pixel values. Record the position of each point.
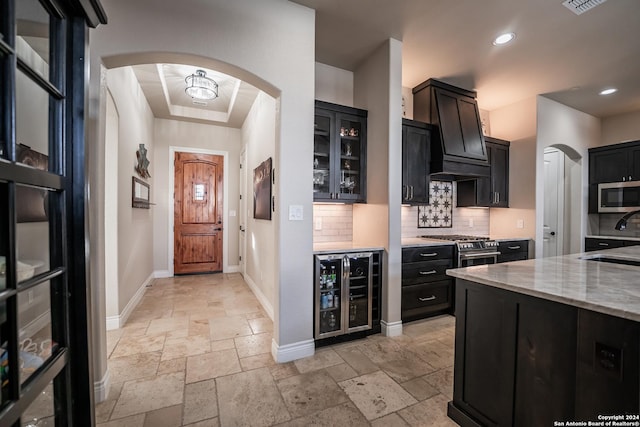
(262, 190)
(140, 194)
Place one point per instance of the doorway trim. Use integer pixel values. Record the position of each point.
(225, 200)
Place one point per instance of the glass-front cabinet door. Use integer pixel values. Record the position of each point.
(339, 155)
(323, 155)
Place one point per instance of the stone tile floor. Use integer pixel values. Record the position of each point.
(197, 352)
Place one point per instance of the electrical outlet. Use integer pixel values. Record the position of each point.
(470, 222)
(318, 223)
(520, 223)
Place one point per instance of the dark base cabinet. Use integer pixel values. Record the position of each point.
(426, 289)
(525, 361)
(598, 244)
(513, 250)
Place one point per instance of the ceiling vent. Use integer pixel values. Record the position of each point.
(200, 103)
(581, 6)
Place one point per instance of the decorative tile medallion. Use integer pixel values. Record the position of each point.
(438, 213)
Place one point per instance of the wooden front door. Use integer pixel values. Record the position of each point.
(198, 213)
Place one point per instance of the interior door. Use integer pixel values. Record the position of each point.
(553, 203)
(198, 213)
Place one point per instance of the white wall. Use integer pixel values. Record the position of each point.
(259, 138)
(559, 125)
(111, 271)
(621, 128)
(378, 89)
(173, 133)
(135, 226)
(270, 45)
(334, 85)
(517, 123)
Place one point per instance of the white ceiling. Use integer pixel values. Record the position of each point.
(565, 56)
(163, 85)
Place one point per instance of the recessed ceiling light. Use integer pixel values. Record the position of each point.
(608, 91)
(504, 38)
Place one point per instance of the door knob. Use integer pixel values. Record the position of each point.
(553, 233)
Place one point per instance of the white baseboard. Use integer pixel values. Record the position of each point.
(101, 388)
(162, 274)
(289, 352)
(260, 296)
(232, 269)
(392, 329)
(35, 325)
(116, 322)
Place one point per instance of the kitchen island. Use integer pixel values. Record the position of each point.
(548, 340)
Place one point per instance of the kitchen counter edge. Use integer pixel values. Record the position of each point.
(343, 248)
(597, 286)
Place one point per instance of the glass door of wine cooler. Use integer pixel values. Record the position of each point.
(359, 296)
(343, 286)
(329, 293)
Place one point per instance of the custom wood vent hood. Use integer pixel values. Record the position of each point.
(460, 150)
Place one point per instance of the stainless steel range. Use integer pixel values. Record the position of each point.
(471, 250)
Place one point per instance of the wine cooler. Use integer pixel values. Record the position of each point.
(343, 288)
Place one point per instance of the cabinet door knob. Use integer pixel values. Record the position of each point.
(431, 298)
(429, 254)
(426, 273)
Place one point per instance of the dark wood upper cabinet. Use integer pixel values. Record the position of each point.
(416, 148)
(461, 149)
(615, 163)
(339, 154)
(612, 163)
(492, 191)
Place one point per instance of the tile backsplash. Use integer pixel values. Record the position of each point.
(332, 223)
(605, 225)
(472, 221)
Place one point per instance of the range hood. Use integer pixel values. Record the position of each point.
(460, 151)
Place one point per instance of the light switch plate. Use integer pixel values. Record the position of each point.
(232, 213)
(296, 212)
(520, 223)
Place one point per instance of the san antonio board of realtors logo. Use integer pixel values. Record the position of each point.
(438, 213)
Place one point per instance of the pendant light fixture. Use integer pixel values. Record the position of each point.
(199, 86)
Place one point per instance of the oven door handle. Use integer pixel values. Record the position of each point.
(479, 255)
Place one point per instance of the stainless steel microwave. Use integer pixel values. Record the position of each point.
(619, 197)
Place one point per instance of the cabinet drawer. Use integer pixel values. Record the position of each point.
(428, 271)
(513, 246)
(595, 244)
(426, 298)
(515, 256)
(426, 253)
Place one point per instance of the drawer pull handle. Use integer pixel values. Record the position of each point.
(513, 248)
(603, 244)
(429, 254)
(426, 273)
(431, 298)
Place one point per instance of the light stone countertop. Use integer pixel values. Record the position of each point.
(420, 241)
(608, 288)
(343, 247)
